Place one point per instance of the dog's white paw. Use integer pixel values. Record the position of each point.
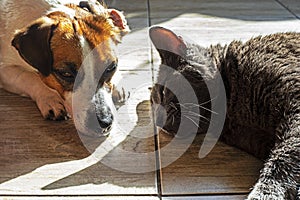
(51, 105)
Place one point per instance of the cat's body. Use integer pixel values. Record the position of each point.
(262, 83)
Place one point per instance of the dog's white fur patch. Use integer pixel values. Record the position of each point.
(64, 9)
(85, 87)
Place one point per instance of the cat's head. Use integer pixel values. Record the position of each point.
(172, 98)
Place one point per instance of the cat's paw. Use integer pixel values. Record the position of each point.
(267, 191)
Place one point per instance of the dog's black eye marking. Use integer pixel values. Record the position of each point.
(67, 73)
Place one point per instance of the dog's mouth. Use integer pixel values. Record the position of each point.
(87, 131)
(94, 117)
(92, 126)
(93, 130)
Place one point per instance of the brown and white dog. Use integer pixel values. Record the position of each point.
(52, 40)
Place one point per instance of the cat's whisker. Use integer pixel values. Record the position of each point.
(208, 109)
(172, 105)
(197, 125)
(185, 105)
(198, 115)
(199, 119)
(212, 99)
(191, 113)
(205, 102)
(188, 110)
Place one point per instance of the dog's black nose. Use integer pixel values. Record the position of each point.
(103, 111)
(105, 118)
(105, 122)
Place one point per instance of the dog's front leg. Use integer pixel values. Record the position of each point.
(26, 82)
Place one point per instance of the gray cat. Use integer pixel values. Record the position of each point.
(262, 84)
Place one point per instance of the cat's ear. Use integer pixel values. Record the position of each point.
(164, 39)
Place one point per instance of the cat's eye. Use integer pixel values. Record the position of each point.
(161, 94)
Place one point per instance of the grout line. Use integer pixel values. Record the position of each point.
(157, 152)
(207, 195)
(151, 47)
(157, 162)
(288, 9)
(155, 137)
(78, 195)
(149, 13)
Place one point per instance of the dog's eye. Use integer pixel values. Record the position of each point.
(65, 75)
(112, 67)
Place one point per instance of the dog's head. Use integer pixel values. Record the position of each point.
(57, 45)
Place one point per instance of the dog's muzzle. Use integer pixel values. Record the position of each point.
(96, 118)
(101, 103)
(104, 117)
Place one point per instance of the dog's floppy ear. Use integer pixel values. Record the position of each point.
(33, 44)
(117, 17)
(166, 40)
(119, 21)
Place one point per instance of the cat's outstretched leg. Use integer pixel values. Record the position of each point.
(280, 176)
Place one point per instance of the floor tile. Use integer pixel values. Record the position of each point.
(212, 22)
(225, 197)
(46, 157)
(224, 170)
(292, 5)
